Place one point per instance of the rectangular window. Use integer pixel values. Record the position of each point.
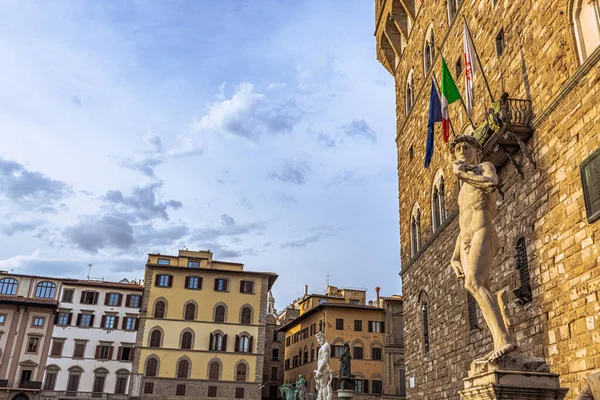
(125, 353)
(500, 43)
(375, 326)
(98, 386)
(376, 387)
(134, 301)
(337, 351)
(239, 393)
(180, 390)
(287, 364)
(2, 319)
(113, 299)
(89, 297)
(38, 322)
(354, 301)
(79, 350)
(109, 321)
(358, 325)
(85, 320)
(246, 287)
(50, 381)
(67, 296)
(33, 344)
(164, 280)
(130, 323)
(287, 341)
(121, 385)
(358, 353)
(275, 355)
(148, 387)
(193, 282)
(64, 318)
(73, 383)
(164, 261)
(212, 391)
(358, 386)
(376, 353)
(339, 324)
(220, 285)
(193, 264)
(365, 386)
(57, 348)
(103, 352)
(274, 373)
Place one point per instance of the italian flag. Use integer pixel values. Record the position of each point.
(449, 95)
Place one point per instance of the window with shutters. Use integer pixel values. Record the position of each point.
(104, 352)
(57, 348)
(187, 340)
(109, 321)
(193, 282)
(358, 353)
(155, 338)
(217, 342)
(376, 386)
(121, 384)
(64, 318)
(339, 324)
(220, 285)
(246, 316)
(358, 325)
(375, 326)
(134, 300)
(79, 349)
(358, 386)
(214, 371)
(190, 312)
(67, 296)
(113, 299)
(337, 350)
(180, 390)
(45, 290)
(125, 353)
(244, 344)
(164, 280)
(523, 293)
(220, 313)
(33, 344)
(73, 383)
(85, 320)
(151, 367)
(239, 393)
(212, 391)
(130, 323)
(376, 353)
(98, 386)
(183, 369)
(159, 309)
(247, 287)
(88, 297)
(472, 309)
(240, 373)
(50, 381)
(365, 384)
(148, 387)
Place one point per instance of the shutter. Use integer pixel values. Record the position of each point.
(95, 298)
(199, 283)
(103, 321)
(370, 326)
(365, 386)
(187, 282)
(226, 286)
(82, 296)
(120, 353)
(237, 343)
(241, 286)
(56, 314)
(156, 280)
(216, 284)
(123, 326)
(97, 352)
(137, 323)
(116, 325)
(106, 297)
(251, 287)
(224, 342)
(110, 352)
(69, 318)
(128, 301)
(210, 342)
(382, 326)
(120, 301)
(250, 340)
(78, 323)
(170, 280)
(92, 320)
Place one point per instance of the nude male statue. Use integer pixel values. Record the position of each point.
(477, 243)
(323, 374)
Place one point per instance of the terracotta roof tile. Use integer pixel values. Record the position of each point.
(29, 300)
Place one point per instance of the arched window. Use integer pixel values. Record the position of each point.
(159, 309)
(244, 344)
(586, 23)
(424, 305)
(246, 317)
(214, 370)
(438, 203)
(183, 369)
(190, 312)
(240, 373)
(155, 338)
(187, 340)
(453, 6)
(415, 231)
(428, 51)
(218, 342)
(220, 313)
(45, 290)
(410, 92)
(8, 286)
(312, 352)
(151, 367)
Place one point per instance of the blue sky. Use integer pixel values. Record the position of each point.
(262, 130)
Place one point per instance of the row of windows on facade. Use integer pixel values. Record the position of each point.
(212, 391)
(217, 341)
(43, 290)
(372, 326)
(438, 212)
(86, 320)
(305, 356)
(190, 312)
(74, 377)
(195, 283)
(104, 351)
(523, 294)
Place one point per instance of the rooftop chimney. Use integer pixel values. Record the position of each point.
(377, 289)
(306, 290)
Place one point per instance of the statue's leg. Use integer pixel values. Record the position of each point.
(477, 282)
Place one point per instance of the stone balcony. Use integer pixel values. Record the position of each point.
(21, 385)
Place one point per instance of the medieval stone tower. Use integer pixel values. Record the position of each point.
(544, 140)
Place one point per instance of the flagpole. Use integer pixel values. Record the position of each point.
(437, 88)
(487, 85)
(460, 98)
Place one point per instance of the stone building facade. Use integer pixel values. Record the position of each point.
(273, 364)
(545, 55)
(202, 328)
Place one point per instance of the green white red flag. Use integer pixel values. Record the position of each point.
(449, 95)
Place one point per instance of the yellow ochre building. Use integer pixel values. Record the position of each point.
(202, 328)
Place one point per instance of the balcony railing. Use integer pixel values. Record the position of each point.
(31, 385)
(393, 340)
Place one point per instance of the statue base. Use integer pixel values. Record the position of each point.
(511, 377)
(345, 394)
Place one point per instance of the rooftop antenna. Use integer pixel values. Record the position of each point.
(90, 272)
(327, 280)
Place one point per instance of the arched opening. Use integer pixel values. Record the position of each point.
(586, 24)
(155, 338)
(8, 286)
(415, 231)
(183, 369)
(45, 290)
(151, 367)
(159, 309)
(246, 316)
(410, 92)
(220, 312)
(214, 371)
(424, 305)
(190, 312)
(240, 373)
(428, 51)
(187, 340)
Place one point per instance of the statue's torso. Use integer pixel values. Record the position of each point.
(477, 207)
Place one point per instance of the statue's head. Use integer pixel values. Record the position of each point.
(346, 345)
(466, 148)
(320, 338)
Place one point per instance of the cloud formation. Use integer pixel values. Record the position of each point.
(292, 171)
(360, 128)
(20, 226)
(227, 227)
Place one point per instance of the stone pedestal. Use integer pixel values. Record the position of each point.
(513, 385)
(345, 394)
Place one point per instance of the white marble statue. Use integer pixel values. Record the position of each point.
(477, 243)
(323, 374)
